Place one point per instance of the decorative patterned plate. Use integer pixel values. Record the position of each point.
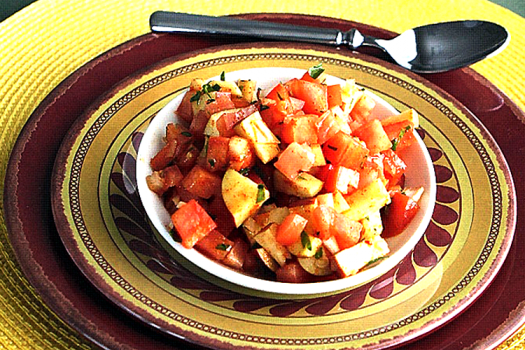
(104, 228)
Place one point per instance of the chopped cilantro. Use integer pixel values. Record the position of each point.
(223, 246)
(316, 71)
(223, 76)
(212, 162)
(319, 253)
(305, 241)
(186, 133)
(260, 193)
(395, 142)
(244, 171)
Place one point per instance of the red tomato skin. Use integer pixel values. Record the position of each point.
(362, 109)
(393, 132)
(394, 167)
(345, 150)
(165, 156)
(192, 223)
(327, 127)
(341, 179)
(289, 231)
(322, 220)
(334, 95)
(217, 153)
(313, 94)
(294, 159)
(374, 136)
(300, 129)
(399, 214)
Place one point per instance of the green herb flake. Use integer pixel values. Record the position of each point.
(316, 71)
(305, 241)
(244, 171)
(261, 196)
(196, 97)
(223, 76)
(212, 162)
(186, 133)
(223, 246)
(375, 260)
(395, 142)
(319, 253)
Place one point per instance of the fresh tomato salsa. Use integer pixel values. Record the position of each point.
(299, 184)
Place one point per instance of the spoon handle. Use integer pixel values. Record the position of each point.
(175, 22)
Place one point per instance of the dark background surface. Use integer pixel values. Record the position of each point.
(9, 7)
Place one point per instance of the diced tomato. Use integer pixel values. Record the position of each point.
(217, 153)
(334, 95)
(279, 93)
(297, 104)
(399, 214)
(341, 179)
(394, 167)
(240, 153)
(322, 219)
(201, 182)
(292, 272)
(374, 136)
(401, 135)
(347, 232)
(294, 159)
(362, 109)
(192, 223)
(313, 94)
(272, 112)
(373, 169)
(300, 129)
(289, 231)
(165, 156)
(345, 150)
(327, 126)
(214, 245)
(307, 77)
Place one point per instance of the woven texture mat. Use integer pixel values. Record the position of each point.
(47, 41)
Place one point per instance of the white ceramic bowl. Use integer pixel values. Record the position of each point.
(420, 172)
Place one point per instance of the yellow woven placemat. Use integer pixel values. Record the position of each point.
(47, 41)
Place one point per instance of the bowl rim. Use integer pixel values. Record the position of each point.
(156, 130)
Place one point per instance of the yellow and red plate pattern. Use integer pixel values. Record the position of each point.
(105, 230)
